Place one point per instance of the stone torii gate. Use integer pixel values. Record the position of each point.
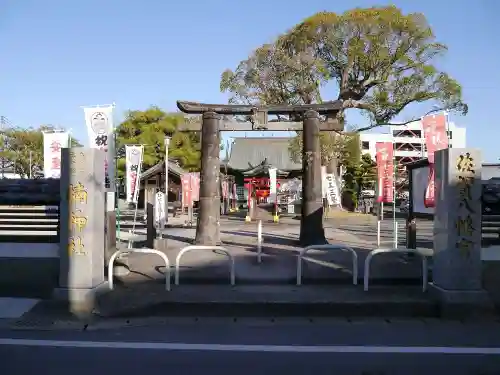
(214, 121)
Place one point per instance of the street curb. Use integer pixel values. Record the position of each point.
(410, 309)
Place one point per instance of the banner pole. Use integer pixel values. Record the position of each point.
(394, 174)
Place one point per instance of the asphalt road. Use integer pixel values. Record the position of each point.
(334, 347)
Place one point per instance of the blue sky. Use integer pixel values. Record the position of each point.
(58, 55)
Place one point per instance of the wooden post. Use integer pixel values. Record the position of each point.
(311, 225)
(207, 228)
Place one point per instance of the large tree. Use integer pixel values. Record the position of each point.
(149, 128)
(359, 176)
(380, 59)
(343, 147)
(22, 149)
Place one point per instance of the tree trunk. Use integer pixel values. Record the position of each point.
(311, 224)
(208, 225)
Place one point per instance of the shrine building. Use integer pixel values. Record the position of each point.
(249, 162)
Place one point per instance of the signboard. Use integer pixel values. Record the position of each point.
(53, 142)
(385, 171)
(133, 167)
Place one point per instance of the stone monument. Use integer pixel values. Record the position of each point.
(457, 270)
(82, 227)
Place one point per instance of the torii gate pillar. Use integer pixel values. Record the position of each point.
(208, 225)
(312, 231)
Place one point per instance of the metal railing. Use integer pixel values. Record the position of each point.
(141, 251)
(366, 278)
(195, 247)
(328, 247)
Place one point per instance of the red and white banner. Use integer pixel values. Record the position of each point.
(133, 167)
(190, 188)
(53, 142)
(385, 171)
(225, 189)
(195, 186)
(186, 190)
(436, 139)
(100, 127)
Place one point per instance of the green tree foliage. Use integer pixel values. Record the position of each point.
(380, 59)
(359, 176)
(23, 147)
(343, 147)
(149, 128)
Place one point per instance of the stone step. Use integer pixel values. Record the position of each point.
(267, 300)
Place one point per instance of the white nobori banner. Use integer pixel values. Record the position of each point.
(99, 122)
(53, 142)
(332, 190)
(272, 185)
(133, 168)
(160, 212)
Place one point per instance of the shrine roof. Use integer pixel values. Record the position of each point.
(173, 169)
(248, 153)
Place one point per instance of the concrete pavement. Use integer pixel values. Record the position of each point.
(294, 347)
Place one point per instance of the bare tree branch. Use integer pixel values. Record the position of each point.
(399, 123)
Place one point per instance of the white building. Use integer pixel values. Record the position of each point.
(409, 141)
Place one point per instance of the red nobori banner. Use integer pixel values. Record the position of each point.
(435, 134)
(186, 190)
(436, 139)
(385, 171)
(195, 185)
(190, 188)
(430, 191)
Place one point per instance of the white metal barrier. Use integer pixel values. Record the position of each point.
(372, 253)
(141, 251)
(259, 241)
(328, 247)
(195, 247)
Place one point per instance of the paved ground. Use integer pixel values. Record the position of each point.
(215, 343)
(141, 286)
(279, 255)
(219, 347)
(365, 229)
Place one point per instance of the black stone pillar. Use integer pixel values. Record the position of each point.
(207, 228)
(311, 224)
(150, 223)
(411, 232)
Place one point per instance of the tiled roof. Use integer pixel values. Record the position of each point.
(247, 153)
(173, 168)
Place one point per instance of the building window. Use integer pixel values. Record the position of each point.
(407, 133)
(450, 134)
(365, 145)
